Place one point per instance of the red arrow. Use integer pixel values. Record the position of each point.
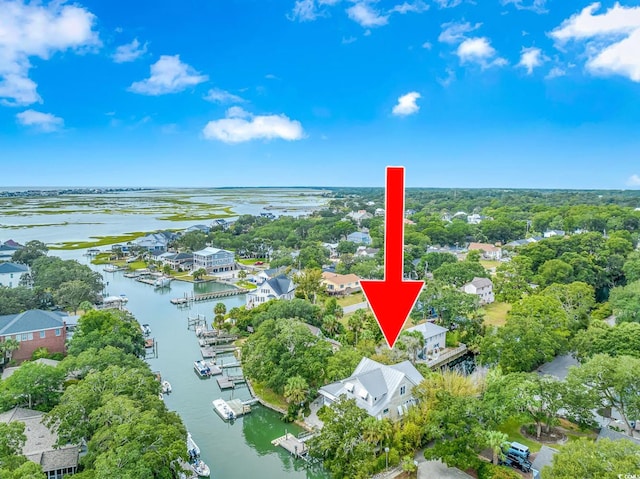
(392, 299)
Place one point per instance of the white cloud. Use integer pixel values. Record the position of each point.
(36, 30)
(129, 52)
(240, 126)
(448, 3)
(348, 40)
(612, 39)
(633, 180)
(427, 45)
(531, 58)
(216, 95)
(42, 121)
(555, 72)
(168, 75)
(406, 7)
(309, 10)
(367, 16)
(453, 32)
(479, 50)
(537, 6)
(407, 104)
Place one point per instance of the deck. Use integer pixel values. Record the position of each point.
(208, 296)
(291, 444)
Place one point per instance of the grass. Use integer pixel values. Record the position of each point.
(248, 261)
(246, 284)
(269, 396)
(350, 299)
(98, 241)
(496, 314)
(488, 264)
(512, 429)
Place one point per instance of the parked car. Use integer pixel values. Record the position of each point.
(258, 263)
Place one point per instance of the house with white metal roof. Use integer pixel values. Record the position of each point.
(214, 260)
(383, 391)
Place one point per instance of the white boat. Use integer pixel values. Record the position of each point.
(192, 447)
(161, 397)
(202, 368)
(166, 387)
(200, 468)
(163, 282)
(146, 329)
(223, 409)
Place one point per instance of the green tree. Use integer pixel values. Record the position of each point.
(33, 385)
(511, 281)
(631, 267)
(555, 271)
(71, 294)
(32, 251)
(613, 383)
(603, 459)
(495, 440)
(459, 273)
(625, 302)
(577, 300)
(7, 347)
(242, 274)
(542, 398)
(98, 329)
(198, 274)
(600, 338)
(308, 284)
(296, 389)
(17, 300)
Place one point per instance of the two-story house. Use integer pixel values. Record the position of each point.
(154, 242)
(7, 249)
(434, 338)
(383, 391)
(481, 287)
(279, 287)
(34, 329)
(214, 260)
(488, 251)
(12, 273)
(335, 283)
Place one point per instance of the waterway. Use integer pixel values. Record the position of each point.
(241, 449)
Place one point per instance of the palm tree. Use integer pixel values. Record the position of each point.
(330, 324)
(198, 274)
(355, 323)
(220, 309)
(242, 274)
(495, 440)
(7, 347)
(295, 391)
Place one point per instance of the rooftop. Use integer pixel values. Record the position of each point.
(32, 320)
(6, 268)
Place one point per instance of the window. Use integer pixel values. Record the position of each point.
(386, 411)
(403, 390)
(18, 337)
(30, 338)
(58, 332)
(42, 334)
(25, 336)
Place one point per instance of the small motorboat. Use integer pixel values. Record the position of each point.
(146, 329)
(202, 368)
(223, 409)
(166, 387)
(200, 468)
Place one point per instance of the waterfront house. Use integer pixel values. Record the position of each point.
(342, 284)
(551, 233)
(202, 228)
(154, 242)
(366, 252)
(379, 212)
(481, 287)
(332, 248)
(40, 445)
(434, 338)
(12, 273)
(34, 329)
(221, 223)
(279, 287)
(359, 237)
(178, 261)
(7, 249)
(488, 251)
(383, 391)
(214, 260)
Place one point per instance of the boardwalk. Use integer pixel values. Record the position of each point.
(446, 357)
(292, 444)
(209, 296)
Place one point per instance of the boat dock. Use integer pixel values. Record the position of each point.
(229, 382)
(208, 296)
(292, 444)
(447, 357)
(207, 352)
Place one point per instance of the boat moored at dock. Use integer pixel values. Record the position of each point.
(223, 409)
(202, 368)
(166, 387)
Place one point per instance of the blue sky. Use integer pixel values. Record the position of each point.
(491, 93)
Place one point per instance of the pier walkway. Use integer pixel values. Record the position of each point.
(292, 444)
(208, 296)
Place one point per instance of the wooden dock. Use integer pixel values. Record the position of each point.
(447, 357)
(225, 383)
(292, 444)
(209, 296)
(238, 407)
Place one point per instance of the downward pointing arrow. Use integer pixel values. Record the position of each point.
(392, 299)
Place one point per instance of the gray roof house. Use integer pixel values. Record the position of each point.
(11, 274)
(383, 391)
(434, 338)
(544, 457)
(279, 287)
(359, 237)
(481, 287)
(153, 242)
(39, 446)
(606, 433)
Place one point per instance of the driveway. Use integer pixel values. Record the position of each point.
(559, 367)
(354, 307)
(439, 470)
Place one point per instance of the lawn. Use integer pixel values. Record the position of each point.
(489, 264)
(269, 396)
(246, 284)
(512, 429)
(350, 299)
(249, 261)
(496, 313)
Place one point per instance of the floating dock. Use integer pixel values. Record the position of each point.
(291, 444)
(207, 352)
(231, 409)
(208, 296)
(225, 383)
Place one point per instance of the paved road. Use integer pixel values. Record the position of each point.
(354, 307)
